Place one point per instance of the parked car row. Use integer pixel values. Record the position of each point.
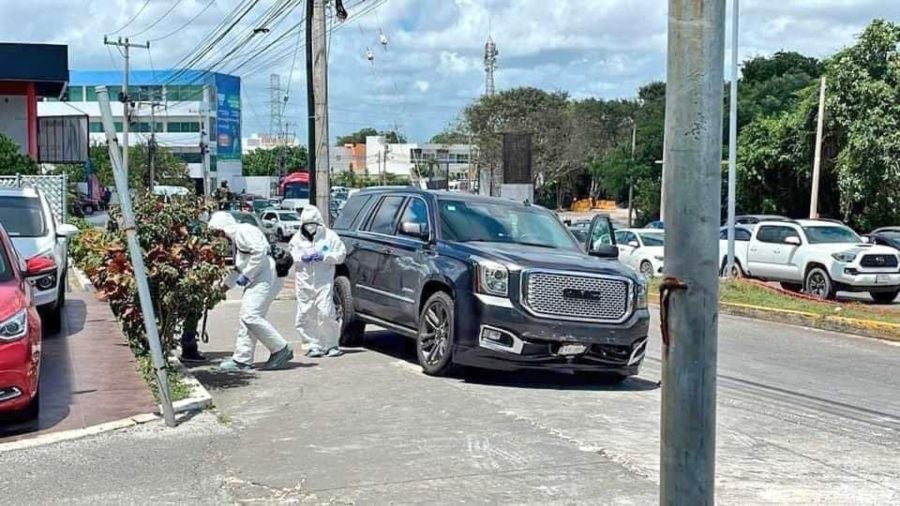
(33, 270)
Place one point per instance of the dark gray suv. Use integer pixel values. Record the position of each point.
(486, 282)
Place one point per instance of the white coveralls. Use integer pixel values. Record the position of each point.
(316, 320)
(252, 259)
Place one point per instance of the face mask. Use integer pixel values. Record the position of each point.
(310, 228)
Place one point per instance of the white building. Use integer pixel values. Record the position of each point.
(400, 159)
(177, 120)
(266, 141)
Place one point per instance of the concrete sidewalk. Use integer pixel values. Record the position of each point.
(88, 374)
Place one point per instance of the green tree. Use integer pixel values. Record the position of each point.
(359, 137)
(267, 162)
(13, 162)
(452, 134)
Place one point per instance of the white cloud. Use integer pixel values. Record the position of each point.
(423, 86)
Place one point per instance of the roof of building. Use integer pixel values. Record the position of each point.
(46, 65)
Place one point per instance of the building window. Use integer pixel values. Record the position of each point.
(459, 158)
(147, 126)
(184, 93)
(189, 157)
(118, 125)
(76, 94)
(96, 127)
(91, 94)
(183, 126)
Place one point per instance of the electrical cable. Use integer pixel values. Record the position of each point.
(185, 25)
(128, 23)
(151, 25)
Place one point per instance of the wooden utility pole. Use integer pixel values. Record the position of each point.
(320, 96)
(689, 293)
(817, 158)
(125, 45)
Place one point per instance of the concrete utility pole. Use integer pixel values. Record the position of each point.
(125, 45)
(152, 146)
(732, 136)
(320, 86)
(310, 104)
(137, 257)
(817, 160)
(631, 176)
(204, 141)
(689, 294)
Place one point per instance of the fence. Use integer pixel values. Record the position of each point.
(54, 189)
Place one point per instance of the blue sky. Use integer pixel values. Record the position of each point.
(432, 66)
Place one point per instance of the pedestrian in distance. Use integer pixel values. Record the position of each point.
(316, 251)
(256, 275)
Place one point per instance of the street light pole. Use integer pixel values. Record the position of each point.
(817, 158)
(732, 136)
(689, 293)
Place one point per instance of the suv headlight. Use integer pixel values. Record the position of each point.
(493, 278)
(845, 257)
(640, 294)
(15, 327)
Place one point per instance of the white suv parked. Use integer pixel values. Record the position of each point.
(41, 242)
(821, 258)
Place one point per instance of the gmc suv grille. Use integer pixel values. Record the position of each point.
(878, 261)
(575, 296)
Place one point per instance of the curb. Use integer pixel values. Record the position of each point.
(68, 435)
(200, 398)
(82, 278)
(865, 328)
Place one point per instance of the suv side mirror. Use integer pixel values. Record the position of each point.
(413, 230)
(609, 251)
(66, 230)
(792, 240)
(634, 244)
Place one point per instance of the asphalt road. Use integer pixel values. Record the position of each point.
(803, 417)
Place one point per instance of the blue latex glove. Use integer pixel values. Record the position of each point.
(242, 280)
(313, 257)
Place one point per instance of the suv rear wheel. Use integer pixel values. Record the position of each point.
(435, 335)
(884, 297)
(818, 284)
(352, 329)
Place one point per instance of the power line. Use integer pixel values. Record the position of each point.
(185, 25)
(138, 13)
(151, 25)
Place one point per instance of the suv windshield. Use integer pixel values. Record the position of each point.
(288, 216)
(22, 216)
(828, 235)
(245, 218)
(494, 222)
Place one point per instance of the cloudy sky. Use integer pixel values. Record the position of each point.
(432, 65)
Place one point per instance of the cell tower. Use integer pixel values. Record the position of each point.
(490, 64)
(276, 105)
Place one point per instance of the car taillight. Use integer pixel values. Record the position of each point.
(40, 264)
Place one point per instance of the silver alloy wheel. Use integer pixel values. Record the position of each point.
(817, 285)
(338, 308)
(434, 341)
(647, 269)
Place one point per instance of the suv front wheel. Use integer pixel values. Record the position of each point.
(819, 284)
(434, 339)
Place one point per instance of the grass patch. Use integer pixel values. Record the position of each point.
(752, 294)
(178, 390)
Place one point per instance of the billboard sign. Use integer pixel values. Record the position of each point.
(228, 117)
(63, 139)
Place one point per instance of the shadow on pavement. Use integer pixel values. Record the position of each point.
(214, 379)
(399, 347)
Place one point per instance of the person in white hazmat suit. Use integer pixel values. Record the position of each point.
(256, 270)
(316, 251)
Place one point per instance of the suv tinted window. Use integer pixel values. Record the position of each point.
(351, 211)
(385, 217)
(740, 234)
(416, 212)
(775, 234)
(22, 216)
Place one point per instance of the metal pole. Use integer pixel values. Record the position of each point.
(310, 105)
(204, 141)
(137, 257)
(689, 292)
(152, 146)
(817, 160)
(732, 135)
(320, 83)
(631, 176)
(126, 110)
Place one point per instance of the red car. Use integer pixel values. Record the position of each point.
(20, 334)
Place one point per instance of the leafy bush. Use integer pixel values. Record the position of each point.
(185, 266)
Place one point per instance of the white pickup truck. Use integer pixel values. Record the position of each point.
(819, 257)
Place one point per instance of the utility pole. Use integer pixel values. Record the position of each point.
(689, 294)
(152, 146)
(125, 45)
(732, 136)
(137, 258)
(204, 141)
(310, 104)
(631, 175)
(320, 87)
(817, 160)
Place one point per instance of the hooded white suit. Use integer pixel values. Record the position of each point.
(252, 259)
(316, 320)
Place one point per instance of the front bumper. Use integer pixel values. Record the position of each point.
(856, 279)
(18, 376)
(534, 343)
